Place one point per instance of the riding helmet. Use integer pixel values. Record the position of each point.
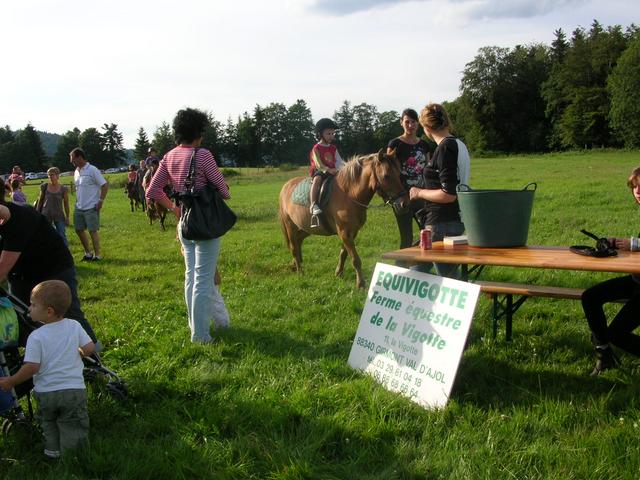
(323, 124)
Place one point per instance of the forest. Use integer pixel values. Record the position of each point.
(580, 92)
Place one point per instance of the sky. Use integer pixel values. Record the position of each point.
(135, 63)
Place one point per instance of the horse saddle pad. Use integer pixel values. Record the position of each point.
(300, 195)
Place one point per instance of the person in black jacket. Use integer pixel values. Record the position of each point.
(620, 331)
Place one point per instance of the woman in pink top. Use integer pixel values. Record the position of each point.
(200, 256)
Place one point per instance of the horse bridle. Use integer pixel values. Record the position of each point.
(388, 199)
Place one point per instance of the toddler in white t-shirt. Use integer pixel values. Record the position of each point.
(53, 357)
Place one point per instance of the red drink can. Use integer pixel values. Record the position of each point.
(425, 239)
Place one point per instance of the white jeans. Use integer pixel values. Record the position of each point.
(203, 299)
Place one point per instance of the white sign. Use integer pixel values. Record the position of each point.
(412, 332)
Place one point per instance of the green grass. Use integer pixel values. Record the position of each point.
(274, 398)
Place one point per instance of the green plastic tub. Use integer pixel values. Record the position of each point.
(496, 218)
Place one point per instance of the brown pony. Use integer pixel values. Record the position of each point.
(131, 189)
(155, 211)
(346, 211)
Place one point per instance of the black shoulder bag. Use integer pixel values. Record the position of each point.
(205, 215)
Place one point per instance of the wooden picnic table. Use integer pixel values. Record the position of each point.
(529, 256)
(504, 305)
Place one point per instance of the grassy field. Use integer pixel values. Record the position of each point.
(274, 398)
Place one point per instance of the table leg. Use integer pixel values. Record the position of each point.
(505, 307)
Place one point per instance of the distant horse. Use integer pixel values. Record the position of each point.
(131, 189)
(155, 211)
(346, 211)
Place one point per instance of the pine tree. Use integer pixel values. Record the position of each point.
(113, 150)
(229, 144)
(6, 135)
(141, 148)
(32, 155)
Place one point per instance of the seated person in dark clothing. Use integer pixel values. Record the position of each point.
(31, 251)
(619, 331)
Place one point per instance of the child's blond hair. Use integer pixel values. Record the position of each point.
(55, 294)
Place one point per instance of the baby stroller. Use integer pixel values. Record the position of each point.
(15, 327)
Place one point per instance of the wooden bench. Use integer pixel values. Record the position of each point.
(504, 305)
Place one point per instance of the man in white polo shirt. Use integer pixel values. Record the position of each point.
(91, 190)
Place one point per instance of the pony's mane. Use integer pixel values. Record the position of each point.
(349, 174)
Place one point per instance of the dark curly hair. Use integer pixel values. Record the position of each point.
(189, 124)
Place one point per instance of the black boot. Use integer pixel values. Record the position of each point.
(605, 360)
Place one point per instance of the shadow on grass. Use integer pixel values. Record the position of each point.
(491, 383)
(278, 344)
(211, 435)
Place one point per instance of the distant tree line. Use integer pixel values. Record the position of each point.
(104, 148)
(276, 134)
(582, 92)
(578, 93)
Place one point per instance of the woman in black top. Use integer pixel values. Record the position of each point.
(413, 154)
(441, 177)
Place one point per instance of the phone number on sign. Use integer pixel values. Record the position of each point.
(393, 377)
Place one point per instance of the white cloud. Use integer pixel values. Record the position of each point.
(470, 8)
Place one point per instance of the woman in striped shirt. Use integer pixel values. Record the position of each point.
(200, 256)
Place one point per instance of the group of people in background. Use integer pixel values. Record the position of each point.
(13, 185)
(139, 176)
(53, 201)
